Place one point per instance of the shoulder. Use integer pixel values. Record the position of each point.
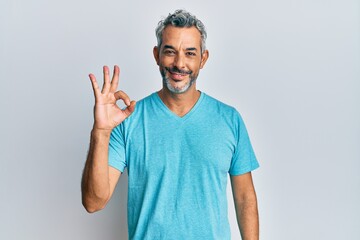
(220, 107)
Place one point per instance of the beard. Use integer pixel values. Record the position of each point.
(167, 83)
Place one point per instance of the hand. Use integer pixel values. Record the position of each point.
(107, 115)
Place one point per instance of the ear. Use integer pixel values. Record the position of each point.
(156, 54)
(204, 58)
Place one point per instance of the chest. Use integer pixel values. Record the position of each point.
(203, 147)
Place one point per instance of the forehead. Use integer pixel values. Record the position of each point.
(187, 36)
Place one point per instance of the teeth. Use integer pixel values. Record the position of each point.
(179, 74)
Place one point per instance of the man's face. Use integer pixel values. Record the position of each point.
(180, 58)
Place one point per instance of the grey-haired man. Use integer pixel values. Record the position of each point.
(178, 146)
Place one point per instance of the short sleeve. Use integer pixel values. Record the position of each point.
(244, 159)
(117, 149)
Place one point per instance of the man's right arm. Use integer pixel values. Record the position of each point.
(99, 179)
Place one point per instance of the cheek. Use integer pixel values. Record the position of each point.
(195, 67)
(165, 61)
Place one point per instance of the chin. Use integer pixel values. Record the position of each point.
(177, 90)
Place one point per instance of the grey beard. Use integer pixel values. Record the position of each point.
(166, 83)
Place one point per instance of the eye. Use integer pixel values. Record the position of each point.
(169, 52)
(191, 54)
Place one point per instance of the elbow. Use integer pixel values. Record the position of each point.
(88, 207)
(95, 204)
(92, 209)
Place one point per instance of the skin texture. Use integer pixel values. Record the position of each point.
(179, 59)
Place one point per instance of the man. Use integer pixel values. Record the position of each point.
(177, 144)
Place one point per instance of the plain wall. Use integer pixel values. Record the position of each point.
(290, 67)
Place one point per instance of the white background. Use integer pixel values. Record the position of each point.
(290, 67)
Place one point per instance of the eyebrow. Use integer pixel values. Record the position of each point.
(168, 46)
(187, 49)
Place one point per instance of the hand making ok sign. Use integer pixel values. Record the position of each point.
(107, 114)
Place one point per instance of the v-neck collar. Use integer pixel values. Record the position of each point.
(171, 114)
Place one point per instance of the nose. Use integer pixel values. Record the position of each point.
(179, 61)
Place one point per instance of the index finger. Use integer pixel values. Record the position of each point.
(115, 79)
(94, 84)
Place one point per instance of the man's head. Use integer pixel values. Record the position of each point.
(182, 19)
(181, 51)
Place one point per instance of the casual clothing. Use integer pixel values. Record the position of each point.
(178, 168)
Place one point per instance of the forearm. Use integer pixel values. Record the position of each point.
(248, 218)
(95, 184)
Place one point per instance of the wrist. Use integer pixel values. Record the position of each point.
(100, 133)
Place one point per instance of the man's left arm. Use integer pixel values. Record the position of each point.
(246, 206)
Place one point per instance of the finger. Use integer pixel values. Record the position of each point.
(94, 84)
(106, 86)
(115, 79)
(130, 109)
(121, 95)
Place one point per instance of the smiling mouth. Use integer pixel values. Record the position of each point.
(177, 77)
(178, 74)
(176, 71)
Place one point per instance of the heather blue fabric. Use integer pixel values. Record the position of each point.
(178, 168)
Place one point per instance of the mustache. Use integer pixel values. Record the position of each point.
(177, 70)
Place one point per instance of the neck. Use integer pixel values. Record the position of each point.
(182, 103)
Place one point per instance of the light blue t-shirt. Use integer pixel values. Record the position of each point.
(178, 167)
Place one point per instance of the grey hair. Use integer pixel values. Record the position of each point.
(181, 18)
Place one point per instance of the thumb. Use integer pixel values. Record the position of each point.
(130, 108)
